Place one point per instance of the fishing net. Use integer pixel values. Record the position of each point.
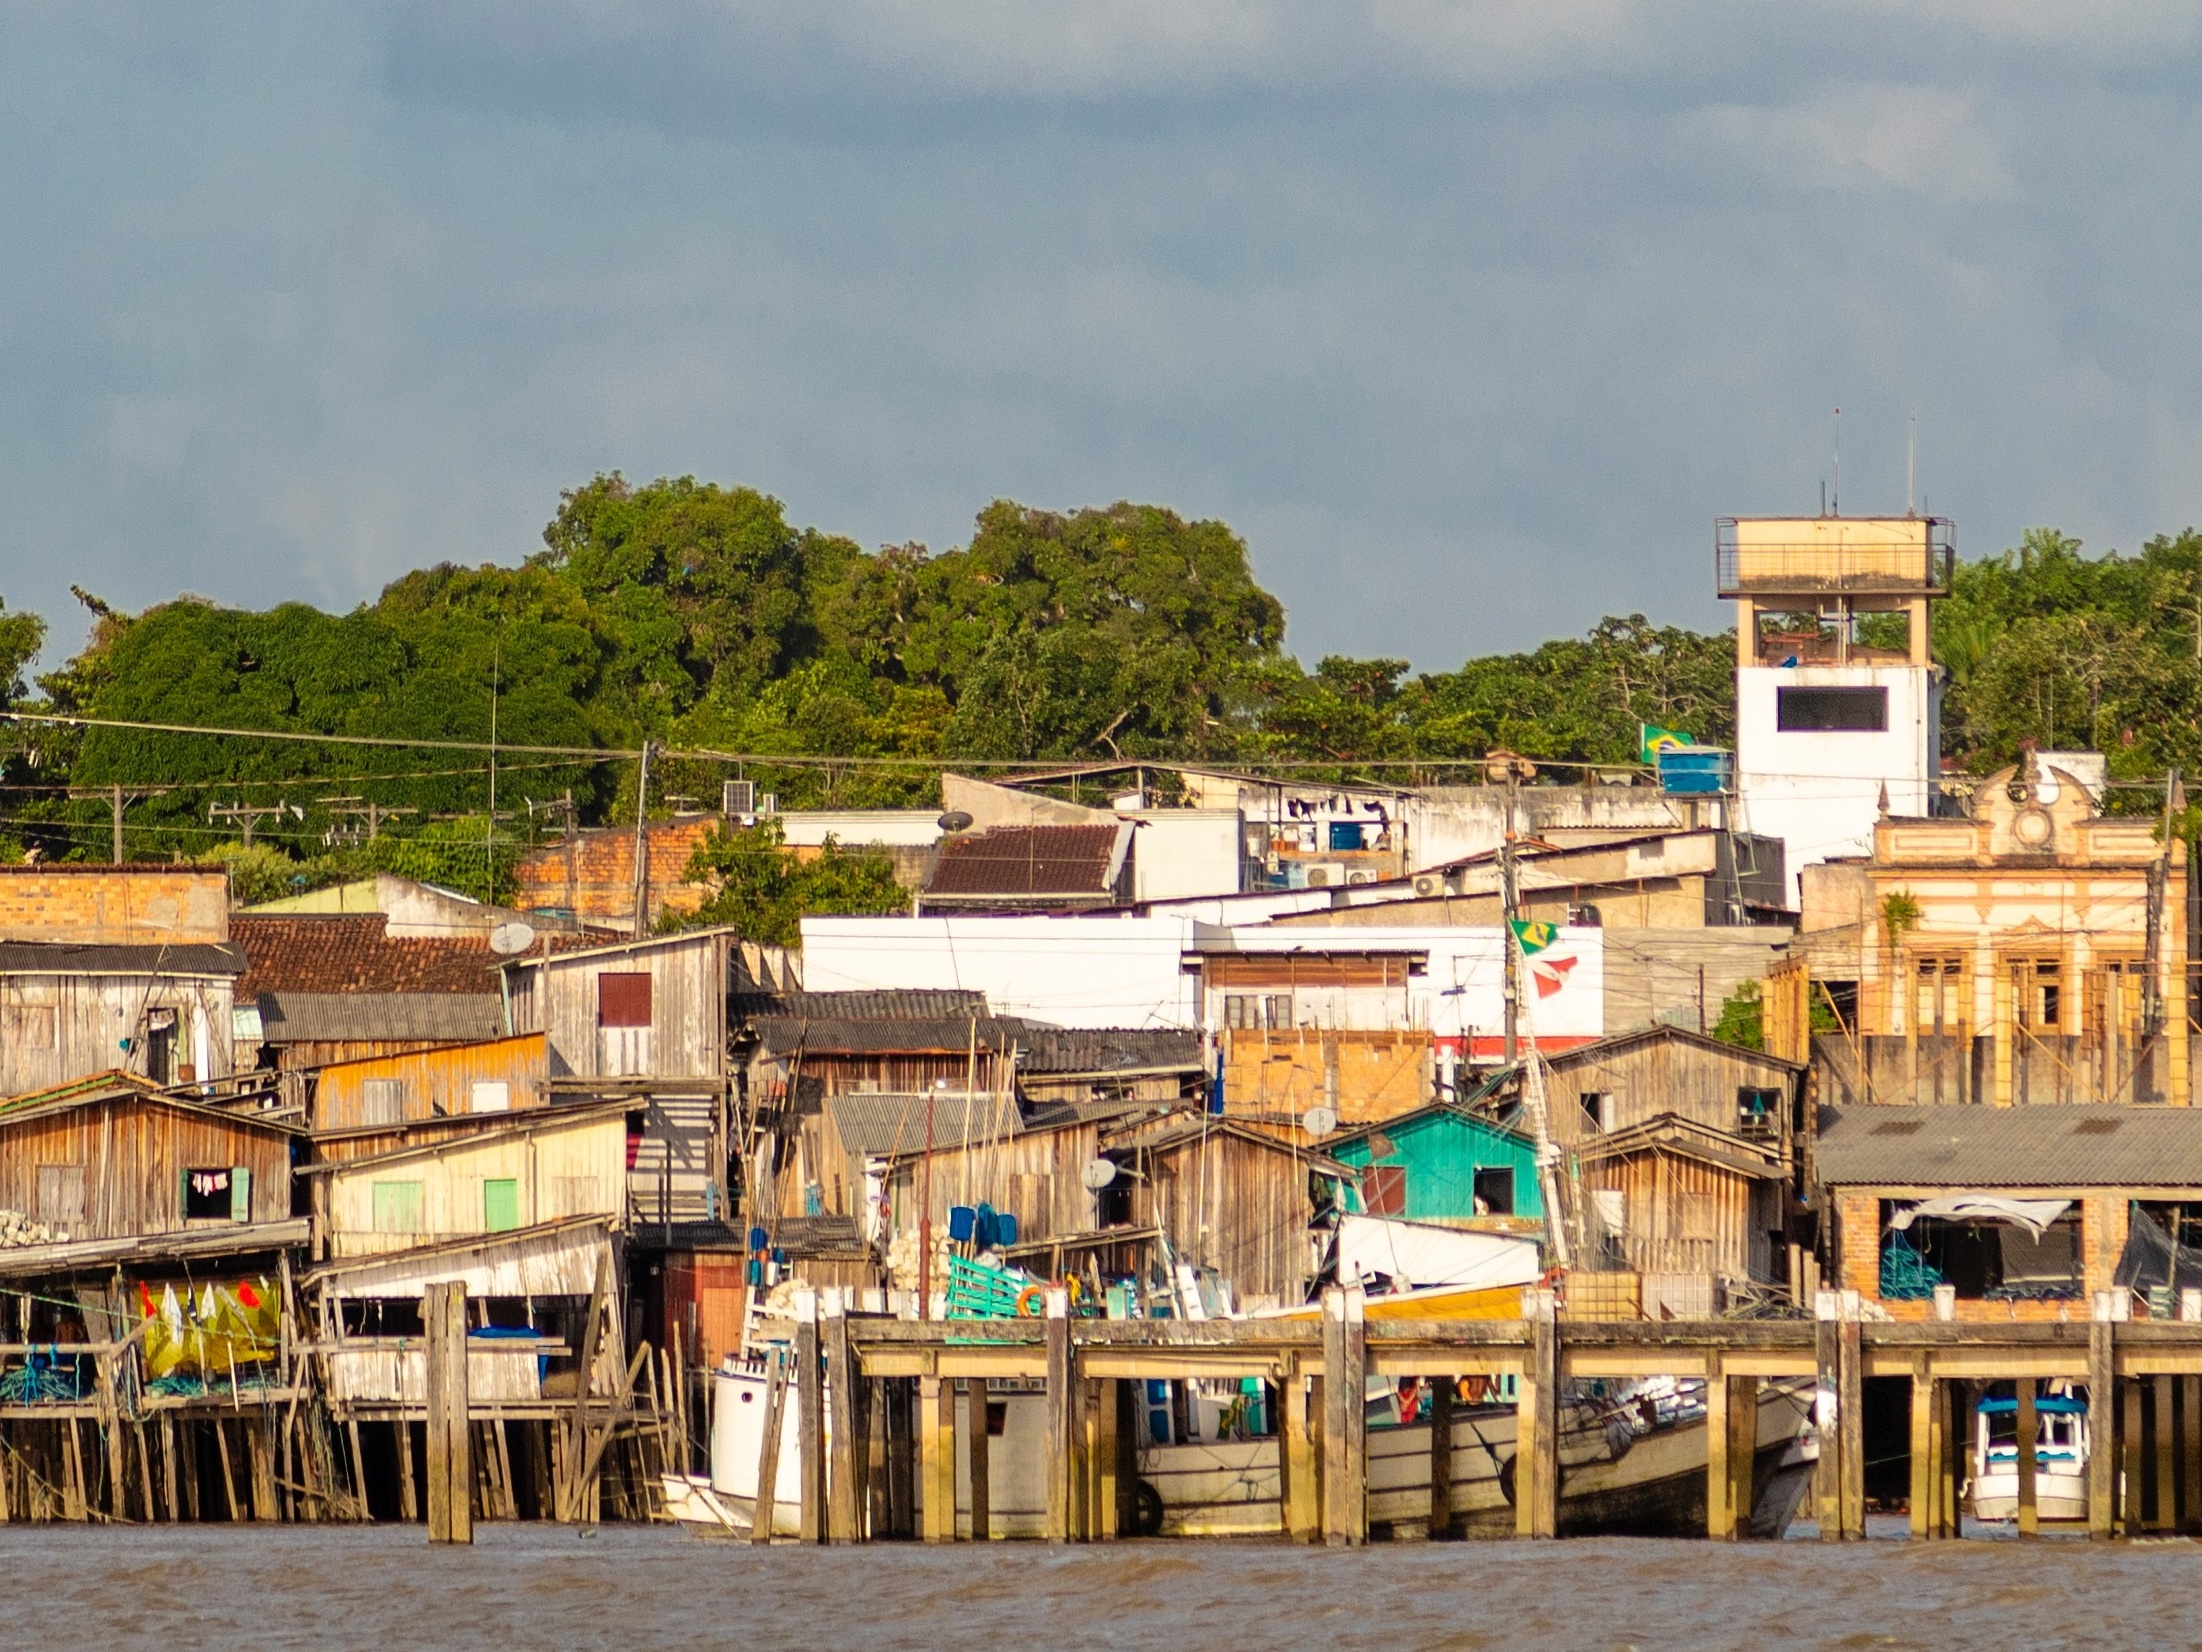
(1906, 1276)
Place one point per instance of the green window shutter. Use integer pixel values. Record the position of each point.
(397, 1207)
(240, 1193)
(500, 1205)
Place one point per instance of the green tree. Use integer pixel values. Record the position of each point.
(764, 891)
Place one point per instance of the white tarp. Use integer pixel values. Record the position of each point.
(2034, 1215)
(1415, 1253)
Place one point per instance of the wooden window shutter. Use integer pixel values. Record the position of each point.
(240, 1193)
(623, 1000)
(1384, 1189)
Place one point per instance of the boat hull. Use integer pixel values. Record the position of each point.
(1614, 1477)
(2059, 1494)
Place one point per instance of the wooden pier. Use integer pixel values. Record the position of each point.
(2144, 1380)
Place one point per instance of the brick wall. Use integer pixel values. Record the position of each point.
(114, 906)
(593, 875)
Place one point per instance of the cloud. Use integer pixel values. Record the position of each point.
(1925, 139)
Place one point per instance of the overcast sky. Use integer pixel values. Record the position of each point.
(1470, 317)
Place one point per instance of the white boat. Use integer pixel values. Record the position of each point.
(1632, 1460)
(2060, 1458)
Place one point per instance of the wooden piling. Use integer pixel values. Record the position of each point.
(766, 1504)
(979, 1450)
(2190, 1454)
(2161, 1412)
(2029, 1447)
(1296, 1446)
(450, 1453)
(1925, 1470)
(2102, 1463)
(1101, 1473)
(2131, 1516)
(1537, 1427)
(1720, 1474)
(936, 1445)
(1827, 1478)
(810, 1407)
(1441, 1459)
(409, 1496)
(1853, 1423)
(1061, 1419)
(1333, 1427)
(843, 1524)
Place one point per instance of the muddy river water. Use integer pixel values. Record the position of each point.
(550, 1587)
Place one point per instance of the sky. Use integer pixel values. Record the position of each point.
(1471, 317)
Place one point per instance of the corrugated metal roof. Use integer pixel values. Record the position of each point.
(1021, 861)
(2083, 1145)
(896, 1035)
(391, 1017)
(881, 1125)
(67, 958)
(1107, 1049)
(909, 1004)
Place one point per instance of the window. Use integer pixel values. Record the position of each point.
(2037, 993)
(1831, 710)
(397, 1207)
(1250, 1012)
(623, 1000)
(218, 1194)
(1384, 1189)
(382, 1101)
(491, 1095)
(1758, 1112)
(1597, 1109)
(61, 1196)
(1939, 1005)
(1984, 1260)
(1495, 1190)
(500, 1205)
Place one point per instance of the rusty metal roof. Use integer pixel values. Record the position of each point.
(1030, 862)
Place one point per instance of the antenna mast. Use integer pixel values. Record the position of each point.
(1838, 461)
(1911, 463)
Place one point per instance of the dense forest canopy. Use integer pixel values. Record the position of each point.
(696, 616)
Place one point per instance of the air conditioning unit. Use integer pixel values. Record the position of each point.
(1363, 874)
(738, 798)
(1429, 883)
(1327, 874)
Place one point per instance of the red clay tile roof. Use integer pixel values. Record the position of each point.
(1018, 861)
(350, 953)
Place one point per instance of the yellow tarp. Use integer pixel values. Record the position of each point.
(208, 1332)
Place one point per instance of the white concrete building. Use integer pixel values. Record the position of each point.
(1835, 723)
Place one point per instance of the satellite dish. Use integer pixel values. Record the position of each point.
(510, 939)
(955, 820)
(1319, 1122)
(1098, 1174)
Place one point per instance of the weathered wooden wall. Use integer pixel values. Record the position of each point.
(433, 1082)
(686, 1037)
(55, 1028)
(567, 1168)
(1649, 1076)
(125, 1158)
(1235, 1205)
(1683, 1215)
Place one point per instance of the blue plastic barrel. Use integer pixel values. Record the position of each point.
(962, 1221)
(1005, 1228)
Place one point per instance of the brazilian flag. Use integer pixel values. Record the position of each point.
(1533, 938)
(1651, 740)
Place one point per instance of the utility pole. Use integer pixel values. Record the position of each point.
(247, 815)
(642, 845)
(117, 801)
(374, 814)
(1509, 899)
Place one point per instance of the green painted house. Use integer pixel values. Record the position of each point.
(1440, 1164)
